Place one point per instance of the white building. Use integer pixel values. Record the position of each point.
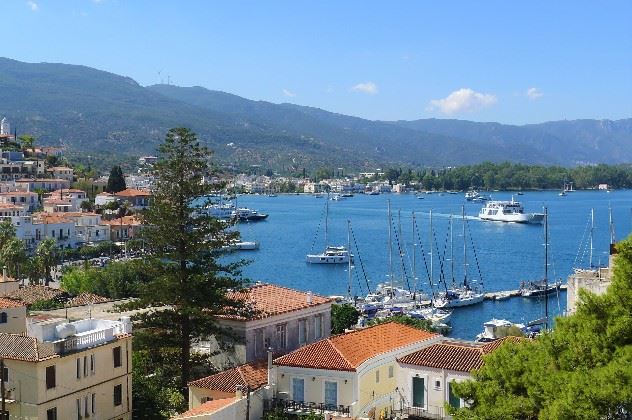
(5, 128)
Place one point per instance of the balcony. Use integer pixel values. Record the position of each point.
(303, 407)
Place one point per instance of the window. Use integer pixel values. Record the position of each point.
(318, 326)
(419, 392)
(302, 331)
(94, 403)
(3, 318)
(437, 383)
(5, 374)
(281, 336)
(78, 367)
(391, 371)
(92, 364)
(118, 395)
(50, 377)
(4, 415)
(51, 413)
(377, 376)
(453, 400)
(331, 393)
(298, 389)
(85, 366)
(116, 353)
(86, 412)
(259, 347)
(79, 408)
(266, 342)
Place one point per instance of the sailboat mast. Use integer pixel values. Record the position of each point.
(546, 268)
(431, 259)
(390, 247)
(452, 251)
(412, 231)
(349, 257)
(592, 228)
(464, 249)
(612, 236)
(327, 221)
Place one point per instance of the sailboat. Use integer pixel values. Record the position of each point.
(332, 254)
(464, 295)
(542, 287)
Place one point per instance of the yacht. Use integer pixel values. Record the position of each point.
(508, 211)
(244, 214)
(495, 329)
(538, 288)
(455, 298)
(219, 211)
(332, 254)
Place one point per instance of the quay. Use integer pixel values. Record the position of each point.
(510, 293)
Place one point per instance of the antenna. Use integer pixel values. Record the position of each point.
(159, 76)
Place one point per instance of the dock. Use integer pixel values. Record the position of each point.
(504, 294)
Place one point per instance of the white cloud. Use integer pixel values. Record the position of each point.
(534, 93)
(34, 7)
(288, 93)
(462, 100)
(369, 88)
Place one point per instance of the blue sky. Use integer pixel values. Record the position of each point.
(500, 61)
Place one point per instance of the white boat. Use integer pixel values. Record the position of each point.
(244, 214)
(495, 329)
(247, 245)
(332, 254)
(219, 211)
(508, 211)
(539, 288)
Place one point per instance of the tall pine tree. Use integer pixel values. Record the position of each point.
(116, 180)
(189, 284)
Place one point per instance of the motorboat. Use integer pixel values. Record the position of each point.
(244, 214)
(495, 329)
(331, 255)
(219, 211)
(455, 298)
(247, 245)
(539, 288)
(508, 211)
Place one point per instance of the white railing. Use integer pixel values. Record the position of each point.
(89, 339)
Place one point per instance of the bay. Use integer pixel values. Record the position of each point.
(507, 253)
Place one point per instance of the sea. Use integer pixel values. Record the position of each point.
(499, 255)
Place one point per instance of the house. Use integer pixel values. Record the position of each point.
(42, 184)
(62, 172)
(56, 369)
(104, 198)
(28, 200)
(221, 395)
(60, 201)
(352, 374)
(9, 210)
(424, 377)
(136, 199)
(124, 228)
(12, 316)
(284, 319)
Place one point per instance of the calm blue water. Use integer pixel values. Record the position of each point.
(507, 253)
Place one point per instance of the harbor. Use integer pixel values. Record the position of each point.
(508, 253)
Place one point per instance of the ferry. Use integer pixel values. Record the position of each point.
(508, 211)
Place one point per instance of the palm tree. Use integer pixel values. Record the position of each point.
(47, 254)
(13, 254)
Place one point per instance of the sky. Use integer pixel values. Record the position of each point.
(511, 62)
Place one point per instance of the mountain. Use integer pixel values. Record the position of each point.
(110, 116)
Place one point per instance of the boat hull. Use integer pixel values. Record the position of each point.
(528, 218)
(458, 302)
(327, 259)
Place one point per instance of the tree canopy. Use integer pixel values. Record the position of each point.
(116, 180)
(580, 370)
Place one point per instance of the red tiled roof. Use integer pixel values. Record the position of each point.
(350, 350)
(124, 221)
(267, 300)
(33, 293)
(253, 375)
(132, 192)
(9, 303)
(454, 355)
(206, 408)
(21, 347)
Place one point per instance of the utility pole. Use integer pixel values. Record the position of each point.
(247, 402)
(2, 389)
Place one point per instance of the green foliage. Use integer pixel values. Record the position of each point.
(343, 317)
(46, 305)
(116, 180)
(117, 280)
(422, 324)
(13, 255)
(188, 283)
(580, 370)
(47, 255)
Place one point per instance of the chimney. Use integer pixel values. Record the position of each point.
(4, 273)
(269, 366)
(309, 298)
(239, 392)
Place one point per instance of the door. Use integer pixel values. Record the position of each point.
(298, 389)
(454, 401)
(419, 392)
(331, 393)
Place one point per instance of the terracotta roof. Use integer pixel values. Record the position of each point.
(348, 351)
(87, 299)
(9, 303)
(33, 293)
(125, 221)
(206, 408)
(454, 355)
(21, 347)
(253, 375)
(66, 191)
(267, 300)
(9, 193)
(10, 206)
(132, 192)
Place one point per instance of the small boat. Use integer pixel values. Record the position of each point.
(495, 329)
(247, 245)
(272, 195)
(346, 195)
(244, 214)
(336, 197)
(373, 192)
(502, 296)
(539, 288)
(508, 211)
(332, 254)
(519, 193)
(562, 194)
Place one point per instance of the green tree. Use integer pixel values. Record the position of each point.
(27, 141)
(47, 254)
(422, 324)
(13, 256)
(188, 284)
(580, 370)
(343, 317)
(7, 231)
(116, 180)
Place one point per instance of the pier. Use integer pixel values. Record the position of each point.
(505, 294)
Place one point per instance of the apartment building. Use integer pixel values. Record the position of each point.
(56, 369)
(62, 172)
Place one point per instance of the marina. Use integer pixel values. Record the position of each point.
(508, 253)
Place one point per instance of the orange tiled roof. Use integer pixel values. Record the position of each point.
(350, 350)
(33, 293)
(206, 408)
(21, 347)
(269, 299)
(453, 355)
(9, 303)
(253, 375)
(125, 221)
(132, 192)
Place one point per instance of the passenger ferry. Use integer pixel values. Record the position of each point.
(508, 211)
